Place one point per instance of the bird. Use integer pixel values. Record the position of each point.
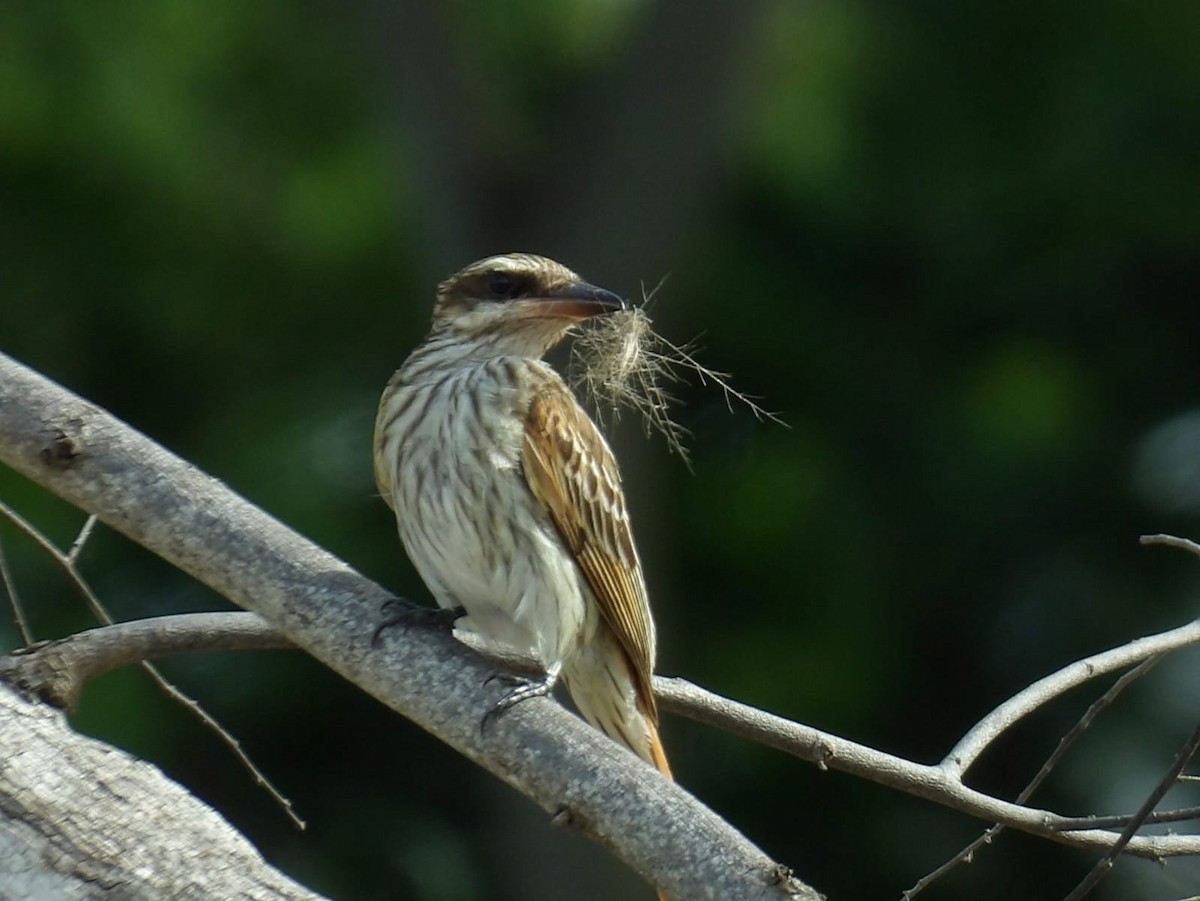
(508, 498)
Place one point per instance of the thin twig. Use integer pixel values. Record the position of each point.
(1172, 541)
(1094, 709)
(996, 722)
(232, 743)
(81, 539)
(967, 854)
(51, 550)
(1105, 864)
(14, 600)
(66, 562)
(1178, 815)
(968, 749)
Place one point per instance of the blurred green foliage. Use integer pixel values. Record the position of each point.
(954, 245)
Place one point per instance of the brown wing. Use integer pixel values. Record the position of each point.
(573, 474)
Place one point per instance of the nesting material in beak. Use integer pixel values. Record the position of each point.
(619, 360)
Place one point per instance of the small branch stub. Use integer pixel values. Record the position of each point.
(61, 451)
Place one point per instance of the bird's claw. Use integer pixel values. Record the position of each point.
(402, 612)
(523, 688)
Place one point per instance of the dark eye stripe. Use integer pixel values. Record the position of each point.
(503, 285)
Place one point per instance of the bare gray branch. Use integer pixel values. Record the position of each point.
(187, 517)
(65, 833)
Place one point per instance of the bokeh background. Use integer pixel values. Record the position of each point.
(954, 245)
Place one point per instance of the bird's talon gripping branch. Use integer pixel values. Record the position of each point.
(522, 689)
(402, 612)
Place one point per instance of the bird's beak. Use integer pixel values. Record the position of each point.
(574, 301)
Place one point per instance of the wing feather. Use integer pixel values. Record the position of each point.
(573, 474)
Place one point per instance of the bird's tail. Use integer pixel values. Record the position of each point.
(657, 756)
(603, 687)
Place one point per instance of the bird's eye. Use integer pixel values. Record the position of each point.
(501, 284)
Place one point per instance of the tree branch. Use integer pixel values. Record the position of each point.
(190, 519)
(41, 670)
(976, 741)
(81, 819)
(1105, 864)
(56, 671)
(63, 686)
(939, 783)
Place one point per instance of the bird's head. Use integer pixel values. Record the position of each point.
(517, 303)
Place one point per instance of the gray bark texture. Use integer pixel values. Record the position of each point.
(80, 819)
(190, 519)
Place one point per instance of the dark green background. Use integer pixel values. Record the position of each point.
(954, 245)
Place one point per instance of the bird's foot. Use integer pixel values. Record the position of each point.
(523, 688)
(402, 612)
